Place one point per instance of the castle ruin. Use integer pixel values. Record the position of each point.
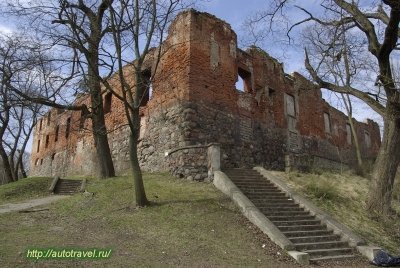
(276, 120)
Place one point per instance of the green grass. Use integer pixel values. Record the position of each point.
(344, 197)
(189, 224)
(23, 189)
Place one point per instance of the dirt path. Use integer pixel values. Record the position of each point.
(30, 203)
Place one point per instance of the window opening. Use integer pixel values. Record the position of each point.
(107, 103)
(243, 83)
(68, 127)
(327, 121)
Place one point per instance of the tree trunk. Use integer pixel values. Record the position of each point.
(6, 165)
(385, 168)
(22, 169)
(356, 145)
(14, 168)
(349, 108)
(98, 123)
(140, 194)
(103, 151)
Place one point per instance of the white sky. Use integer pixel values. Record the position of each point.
(234, 12)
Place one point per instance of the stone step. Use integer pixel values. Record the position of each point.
(298, 222)
(253, 184)
(336, 257)
(267, 194)
(302, 228)
(244, 175)
(287, 213)
(307, 233)
(279, 206)
(261, 202)
(67, 187)
(69, 184)
(309, 239)
(66, 193)
(246, 185)
(69, 181)
(241, 171)
(268, 198)
(291, 218)
(321, 245)
(317, 253)
(235, 175)
(262, 188)
(277, 209)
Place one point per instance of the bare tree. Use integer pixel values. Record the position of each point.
(349, 109)
(343, 61)
(377, 29)
(136, 26)
(79, 28)
(19, 69)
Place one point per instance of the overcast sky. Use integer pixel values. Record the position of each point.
(235, 12)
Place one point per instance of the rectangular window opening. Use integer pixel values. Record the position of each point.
(47, 141)
(40, 124)
(107, 103)
(243, 82)
(327, 121)
(271, 92)
(367, 139)
(147, 88)
(348, 134)
(38, 146)
(290, 105)
(290, 109)
(82, 120)
(68, 128)
(56, 136)
(48, 118)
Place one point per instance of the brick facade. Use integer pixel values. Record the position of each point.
(276, 120)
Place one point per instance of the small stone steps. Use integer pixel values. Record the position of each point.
(291, 218)
(289, 209)
(306, 232)
(297, 222)
(329, 253)
(311, 233)
(336, 257)
(67, 187)
(308, 239)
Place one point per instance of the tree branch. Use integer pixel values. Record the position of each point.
(320, 83)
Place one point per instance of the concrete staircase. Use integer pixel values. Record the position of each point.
(67, 187)
(306, 232)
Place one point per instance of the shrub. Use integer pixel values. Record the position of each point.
(323, 190)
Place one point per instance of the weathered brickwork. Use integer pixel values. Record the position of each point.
(277, 120)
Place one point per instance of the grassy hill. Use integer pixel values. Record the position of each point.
(189, 225)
